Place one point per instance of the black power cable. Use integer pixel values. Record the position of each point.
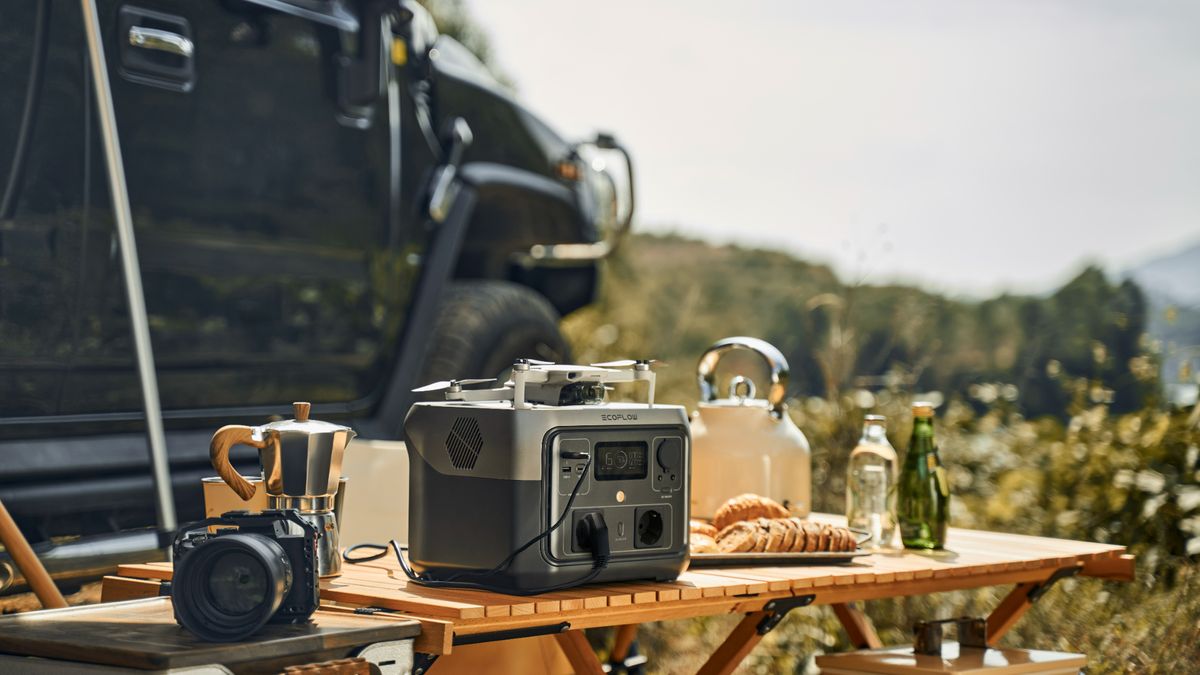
(597, 533)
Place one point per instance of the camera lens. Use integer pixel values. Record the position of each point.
(228, 587)
(237, 583)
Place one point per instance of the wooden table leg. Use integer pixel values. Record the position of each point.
(1011, 608)
(579, 652)
(745, 636)
(1020, 599)
(625, 637)
(858, 626)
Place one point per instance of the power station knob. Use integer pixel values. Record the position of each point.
(669, 454)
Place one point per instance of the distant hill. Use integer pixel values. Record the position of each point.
(1172, 278)
(669, 297)
(1172, 286)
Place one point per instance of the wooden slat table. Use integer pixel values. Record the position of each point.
(142, 635)
(974, 559)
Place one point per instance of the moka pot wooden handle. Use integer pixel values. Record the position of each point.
(218, 451)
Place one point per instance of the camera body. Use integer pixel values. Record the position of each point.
(255, 568)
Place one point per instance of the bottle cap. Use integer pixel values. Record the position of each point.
(922, 409)
(875, 419)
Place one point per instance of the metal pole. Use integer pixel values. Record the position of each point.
(129, 263)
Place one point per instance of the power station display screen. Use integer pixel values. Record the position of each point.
(624, 460)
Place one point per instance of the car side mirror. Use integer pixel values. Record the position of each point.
(455, 141)
(609, 161)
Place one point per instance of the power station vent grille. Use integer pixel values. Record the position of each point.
(464, 443)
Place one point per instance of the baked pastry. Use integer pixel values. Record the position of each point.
(797, 545)
(776, 534)
(763, 536)
(702, 543)
(747, 507)
(740, 537)
(790, 532)
(780, 535)
(812, 537)
(702, 527)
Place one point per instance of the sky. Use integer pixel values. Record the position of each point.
(972, 147)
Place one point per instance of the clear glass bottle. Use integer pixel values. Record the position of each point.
(871, 484)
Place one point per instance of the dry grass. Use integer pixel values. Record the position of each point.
(88, 594)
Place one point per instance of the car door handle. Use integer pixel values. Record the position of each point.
(160, 40)
(157, 49)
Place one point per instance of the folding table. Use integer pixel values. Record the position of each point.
(764, 595)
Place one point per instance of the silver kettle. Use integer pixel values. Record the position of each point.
(746, 444)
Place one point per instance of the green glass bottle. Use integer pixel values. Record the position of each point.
(923, 506)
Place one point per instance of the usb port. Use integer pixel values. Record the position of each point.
(579, 468)
(566, 469)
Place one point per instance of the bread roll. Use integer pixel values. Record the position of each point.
(702, 543)
(764, 535)
(789, 535)
(776, 534)
(769, 534)
(747, 507)
(739, 537)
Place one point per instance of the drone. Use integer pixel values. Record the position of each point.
(535, 382)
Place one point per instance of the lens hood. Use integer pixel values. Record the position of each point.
(229, 586)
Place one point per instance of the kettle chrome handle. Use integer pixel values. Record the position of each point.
(218, 451)
(777, 364)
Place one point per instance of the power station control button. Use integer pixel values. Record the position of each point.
(670, 453)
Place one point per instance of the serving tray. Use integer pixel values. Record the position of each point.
(753, 559)
(788, 558)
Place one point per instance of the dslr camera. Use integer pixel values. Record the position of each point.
(238, 572)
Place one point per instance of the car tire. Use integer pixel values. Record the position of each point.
(484, 326)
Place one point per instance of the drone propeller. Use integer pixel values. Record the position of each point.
(447, 384)
(629, 363)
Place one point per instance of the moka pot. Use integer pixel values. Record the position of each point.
(301, 466)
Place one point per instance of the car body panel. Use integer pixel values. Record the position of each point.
(284, 246)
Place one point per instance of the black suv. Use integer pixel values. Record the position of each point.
(332, 203)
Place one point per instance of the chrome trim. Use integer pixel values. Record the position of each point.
(567, 254)
(161, 41)
(140, 324)
(332, 13)
(306, 505)
(547, 253)
(774, 359)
